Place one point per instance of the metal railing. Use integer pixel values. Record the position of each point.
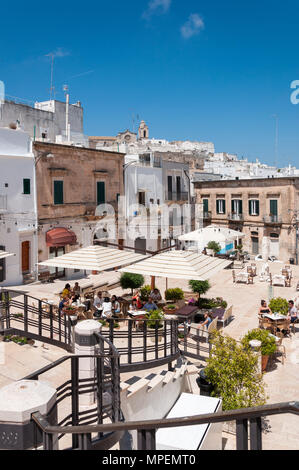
(272, 219)
(248, 426)
(105, 386)
(21, 314)
(237, 217)
(176, 196)
(141, 346)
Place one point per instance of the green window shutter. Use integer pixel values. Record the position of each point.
(224, 206)
(250, 207)
(240, 206)
(58, 192)
(233, 206)
(205, 205)
(217, 206)
(273, 206)
(258, 207)
(101, 192)
(26, 186)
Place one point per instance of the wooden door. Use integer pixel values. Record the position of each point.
(25, 257)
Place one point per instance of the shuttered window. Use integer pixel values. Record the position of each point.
(58, 192)
(237, 206)
(220, 206)
(273, 206)
(205, 205)
(254, 207)
(101, 198)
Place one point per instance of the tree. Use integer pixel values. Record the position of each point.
(131, 281)
(212, 245)
(199, 287)
(233, 372)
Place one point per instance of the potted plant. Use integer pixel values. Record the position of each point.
(279, 305)
(213, 248)
(131, 281)
(154, 322)
(268, 346)
(145, 293)
(232, 370)
(199, 287)
(174, 294)
(170, 309)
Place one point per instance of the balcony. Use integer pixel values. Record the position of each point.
(235, 217)
(176, 196)
(207, 215)
(3, 203)
(272, 219)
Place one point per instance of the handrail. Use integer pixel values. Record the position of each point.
(241, 414)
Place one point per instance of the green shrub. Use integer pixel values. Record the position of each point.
(199, 287)
(174, 294)
(145, 292)
(153, 316)
(212, 245)
(131, 281)
(279, 305)
(233, 372)
(205, 303)
(268, 346)
(171, 307)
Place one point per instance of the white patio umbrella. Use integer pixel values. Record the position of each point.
(212, 233)
(5, 254)
(93, 258)
(178, 265)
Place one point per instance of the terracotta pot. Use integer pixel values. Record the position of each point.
(265, 360)
(169, 311)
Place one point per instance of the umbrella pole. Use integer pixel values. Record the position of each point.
(153, 282)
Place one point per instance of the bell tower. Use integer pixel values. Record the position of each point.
(143, 131)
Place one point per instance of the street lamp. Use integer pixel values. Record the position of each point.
(295, 224)
(43, 155)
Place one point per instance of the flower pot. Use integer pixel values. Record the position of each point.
(169, 311)
(265, 360)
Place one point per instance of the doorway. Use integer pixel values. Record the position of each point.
(25, 257)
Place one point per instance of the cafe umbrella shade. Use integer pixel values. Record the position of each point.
(179, 265)
(5, 254)
(93, 258)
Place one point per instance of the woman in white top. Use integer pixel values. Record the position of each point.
(107, 308)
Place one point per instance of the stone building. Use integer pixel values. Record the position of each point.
(71, 183)
(263, 209)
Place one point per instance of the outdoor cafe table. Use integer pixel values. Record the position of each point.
(275, 316)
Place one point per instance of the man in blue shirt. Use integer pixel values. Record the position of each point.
(150, 305)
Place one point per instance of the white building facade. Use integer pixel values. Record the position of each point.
(18, 211)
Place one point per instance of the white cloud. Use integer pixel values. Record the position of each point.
(156, 7)
(193, 26)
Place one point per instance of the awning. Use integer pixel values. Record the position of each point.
(179, 265)
(93, 258)
(5, 254)
(60, 237)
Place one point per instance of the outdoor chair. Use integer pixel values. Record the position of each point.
(292, 325)
(280, 348)
(226, 317)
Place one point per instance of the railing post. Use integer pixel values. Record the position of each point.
(165, 338)
(242, 434)
(7, 308)
(185, 337)
(75, 397)
(130, 342)
(144, 341)
(146, 439)
(25, 312)
(156, 339)
(40, 318)
(256, 434)
(51, 321)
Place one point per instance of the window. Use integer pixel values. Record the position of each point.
(273, 207)
(141, 198)
(26, 186)
(237, 206)
(254, 207)
(101, 193)
(205, 205)
(58, 192)
(220, 206)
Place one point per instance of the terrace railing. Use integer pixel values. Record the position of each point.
(248, 426)
(21, 314)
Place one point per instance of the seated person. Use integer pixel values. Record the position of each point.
(150, 305)
(115, 305)
(136, 301)
(98, 303)
(207, 321)
(76, 292)
(65, 302)
(107, 308)
(155, 295)
(264, 309)
(66, 291)
(293, 312)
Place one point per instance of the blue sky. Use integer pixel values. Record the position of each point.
(201, 70)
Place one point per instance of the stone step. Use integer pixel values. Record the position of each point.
(168, 377)
(155, 381)
(137, 386)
